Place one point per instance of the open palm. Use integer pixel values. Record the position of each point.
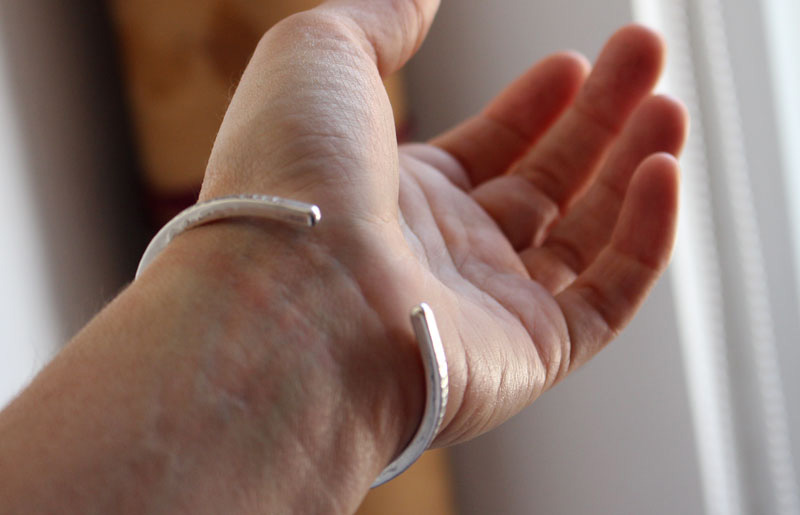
(534, 229)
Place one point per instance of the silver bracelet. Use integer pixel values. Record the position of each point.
(302, 214)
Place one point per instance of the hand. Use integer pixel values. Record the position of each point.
(254, 366)
(534, 229)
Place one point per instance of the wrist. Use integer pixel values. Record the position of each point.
(301, 351)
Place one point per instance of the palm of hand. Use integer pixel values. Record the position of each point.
(500, 328)
(523, 227)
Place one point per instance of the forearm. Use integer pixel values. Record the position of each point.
(209, 385)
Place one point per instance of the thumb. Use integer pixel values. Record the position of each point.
(391, 30)
(310, 118)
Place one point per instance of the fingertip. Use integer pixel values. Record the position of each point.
(637, 53)
(647, 222)
(513, 122)
(656, 182)
(542, 93)
(390, 30)
(642, 36)
(624, 73)
(573, 61)
(675, 111)
(676, 103)
(562, 72)
(681, 117)
(668, 121)
(566, 71)
(662, 165)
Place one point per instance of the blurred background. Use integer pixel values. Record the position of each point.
(107, 114)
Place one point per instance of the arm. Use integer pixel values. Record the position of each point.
(257, 367)
(232, 377)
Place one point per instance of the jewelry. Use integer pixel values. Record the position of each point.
(435, 364)
(302, 214)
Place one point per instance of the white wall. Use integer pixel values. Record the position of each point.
(28, 325)
(775, 184)
(68, 226)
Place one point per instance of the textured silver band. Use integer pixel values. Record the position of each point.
(437, 387)
(302, 214)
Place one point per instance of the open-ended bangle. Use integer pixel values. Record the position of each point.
(301, 214)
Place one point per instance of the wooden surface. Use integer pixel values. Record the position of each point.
(424, 489)
(182, 60)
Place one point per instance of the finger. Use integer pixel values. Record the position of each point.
(489, 143)
(608, 293)
(658, 125)
(626, 71)
(545, 181)
(391, 30)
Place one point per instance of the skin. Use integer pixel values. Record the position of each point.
(255, 367)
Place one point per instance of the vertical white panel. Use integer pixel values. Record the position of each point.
(764, 427)
(738, 316)
(781, 22)
(696, 274)
(71, 232)
(28, 324)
